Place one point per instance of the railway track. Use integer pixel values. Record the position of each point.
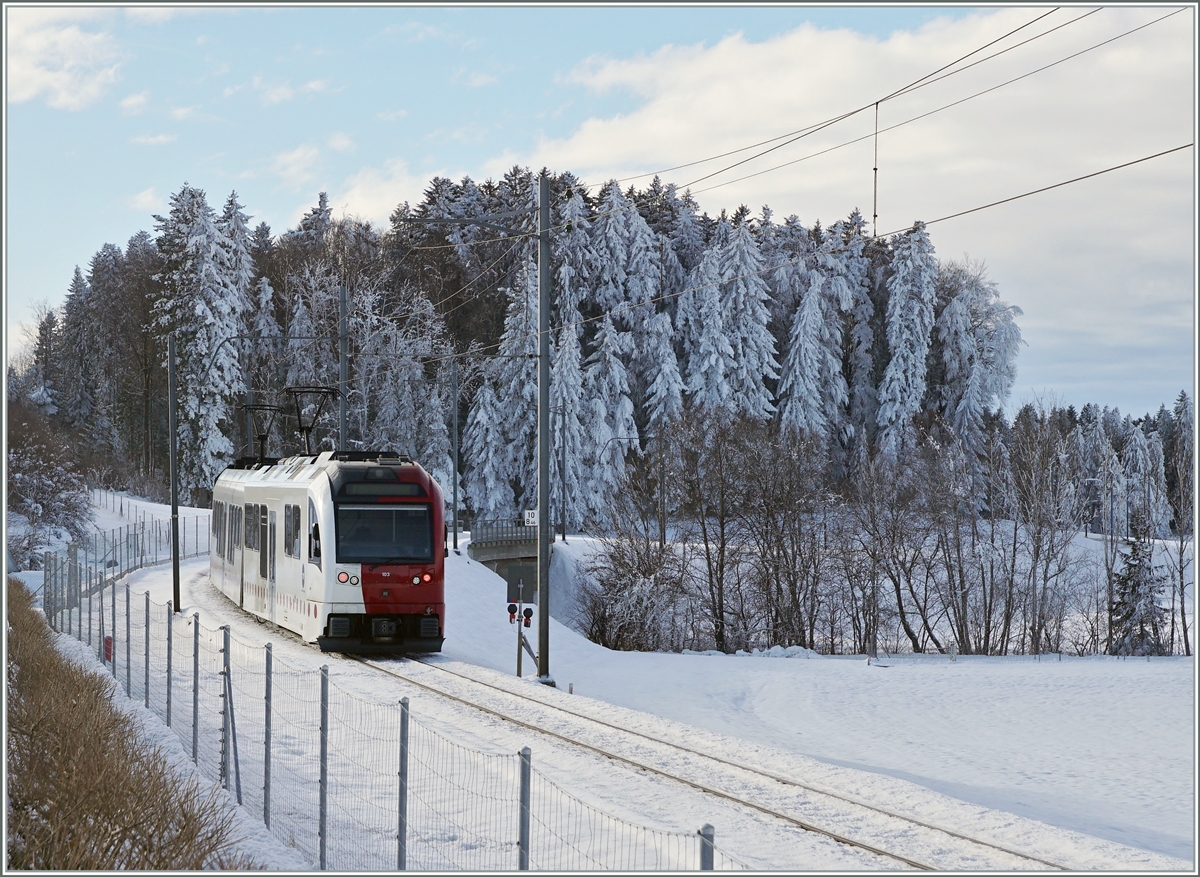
(875, 830)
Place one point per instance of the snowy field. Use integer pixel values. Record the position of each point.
(1087, 754)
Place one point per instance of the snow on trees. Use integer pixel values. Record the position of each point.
(813, 390)
(979, 340)
(911, 298)
(743, 301)
(708, 353)
(567, 471)
(608, 417)
(1137, 618)
(197, 306)
(488, 486)
(664, 395)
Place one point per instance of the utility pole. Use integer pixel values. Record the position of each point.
(171, 427)
(543, 419)
(543, 429)
(454, 432)
(343, 370)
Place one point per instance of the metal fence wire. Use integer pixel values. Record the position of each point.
(387, 792)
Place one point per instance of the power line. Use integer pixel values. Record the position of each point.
(819, 125)
(919, 83)
(939, 109)
(1048, 188)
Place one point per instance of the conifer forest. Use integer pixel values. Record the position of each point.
(777, 434)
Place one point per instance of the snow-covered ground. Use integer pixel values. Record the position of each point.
(1086, 753)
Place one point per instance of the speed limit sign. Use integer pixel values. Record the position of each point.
(531, 517)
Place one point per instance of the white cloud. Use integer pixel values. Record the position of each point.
(391, 115)
(295, 167)
(415, 32)
(340, 142)
(276, 93)
(373, 194)
(135, 103)
(1068, 258)
(474, 79)
(154, 14)
(49, 55)
(182, 112)
(147, 200)
(155, 140)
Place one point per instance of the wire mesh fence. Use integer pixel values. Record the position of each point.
(353, 784)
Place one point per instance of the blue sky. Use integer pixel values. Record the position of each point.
(109, 111)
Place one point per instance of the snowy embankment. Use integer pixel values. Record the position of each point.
(1097, 747)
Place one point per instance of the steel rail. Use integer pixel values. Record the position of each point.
(801, 823)
(747, 767)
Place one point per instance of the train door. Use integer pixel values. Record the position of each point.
(270, 554)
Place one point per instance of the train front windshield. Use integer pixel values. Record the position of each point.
(384, 534)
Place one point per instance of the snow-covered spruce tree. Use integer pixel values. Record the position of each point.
(1145, 482)
(566, 426)
(664, 395)
(486, 478)
(707, 351)
(1180, 462)
(575, 260)
(196, 305)
(813, 391)
(911, 298)
(743, 300)
(608, 419)
(856, 269)
(517, 385)
(1137, 619)
(610, 242)
(979, 339)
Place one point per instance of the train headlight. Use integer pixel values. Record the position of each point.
(343, 577)
(427, 578)
(354, 580)
(416, 580)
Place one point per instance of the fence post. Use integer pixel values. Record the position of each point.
(79, 607)
(707, 837)
(195, 687)
(100, 634)
(113, 593)
(146, 671)
(324, 756)
(226, 746)
(402, 808)
(231, 722)
(89, 590)
(523, 840)
(267, 743)
(170, 649)
(128, 672)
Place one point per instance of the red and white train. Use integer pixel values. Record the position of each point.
(340, 547)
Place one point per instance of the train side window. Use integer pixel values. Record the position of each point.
(263, 544)
(251, 525)
(271, 550)
(287, 530)
(314, 536)
(295, 531)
